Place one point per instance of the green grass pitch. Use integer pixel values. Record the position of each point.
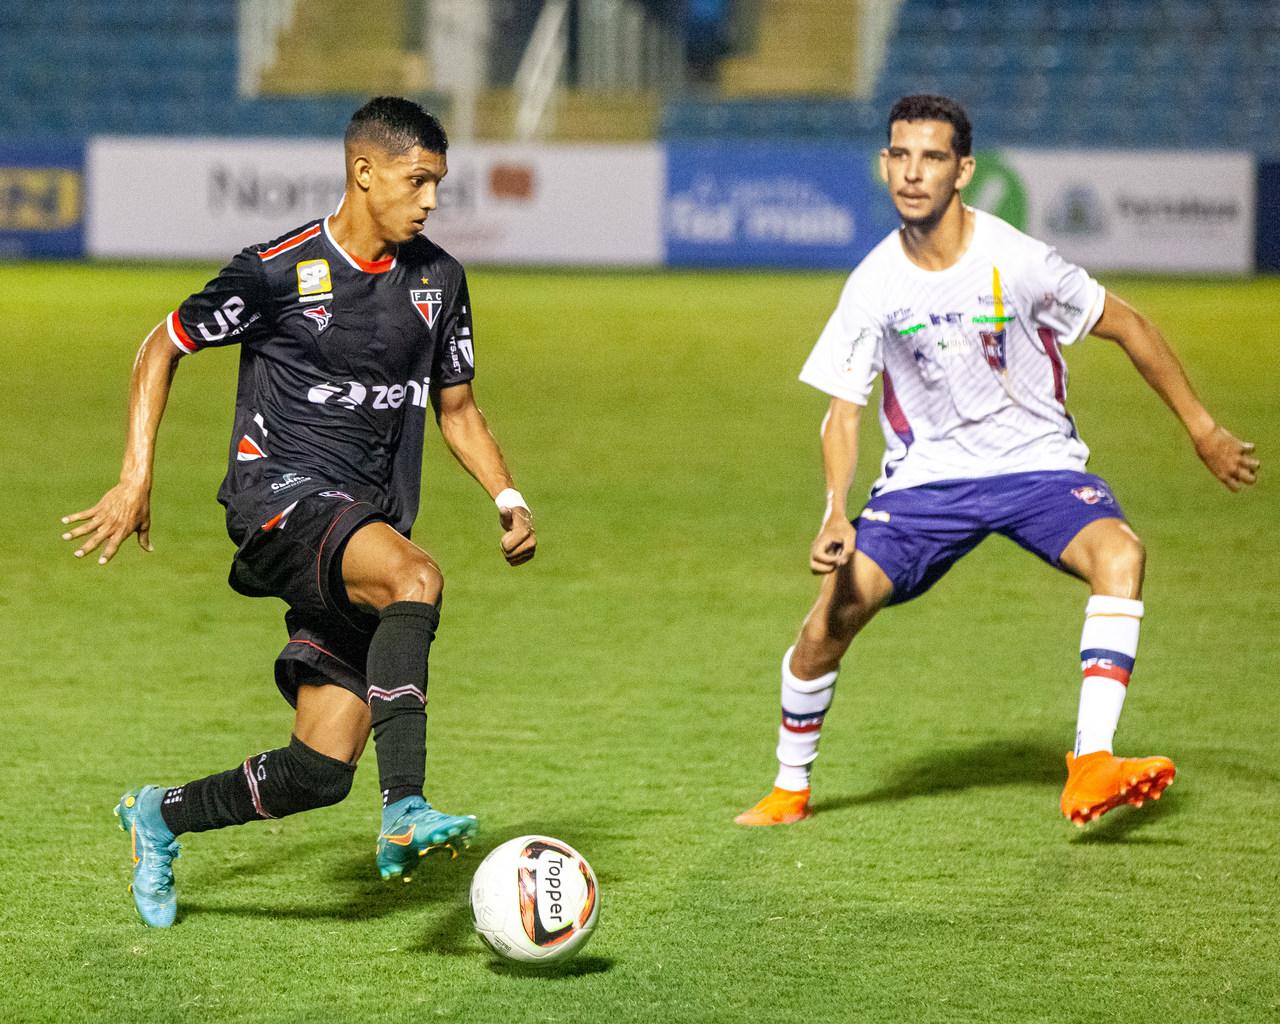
(620, 692)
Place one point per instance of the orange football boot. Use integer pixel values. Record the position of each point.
(1100, 781)
(780, 807)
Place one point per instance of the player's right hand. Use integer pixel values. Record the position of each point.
(123, 510)
(1229, 459)
(833, 547)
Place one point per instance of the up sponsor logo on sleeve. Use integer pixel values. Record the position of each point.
(227, 320)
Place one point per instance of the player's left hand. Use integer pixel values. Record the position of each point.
(1229, 459)
(518, 539)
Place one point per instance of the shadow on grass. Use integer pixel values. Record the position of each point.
(994, 763)
(1005, 763)
(357, 892)
(579, 967)
(1117, 826)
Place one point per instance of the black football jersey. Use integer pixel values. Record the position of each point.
(338, 357)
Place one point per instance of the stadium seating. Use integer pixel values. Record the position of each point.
(138, 66)
(1126, 73)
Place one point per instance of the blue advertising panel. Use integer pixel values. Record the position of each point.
(742, 204)
(1268, 233)
(41, 199)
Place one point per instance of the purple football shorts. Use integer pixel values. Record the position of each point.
(915, 535)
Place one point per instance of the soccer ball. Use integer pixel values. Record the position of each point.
(535, 900)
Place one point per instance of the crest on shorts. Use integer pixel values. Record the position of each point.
(1091, 495)
(427, 301)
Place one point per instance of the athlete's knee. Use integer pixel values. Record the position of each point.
(1120, 566)
(418, 580)
(297, 778)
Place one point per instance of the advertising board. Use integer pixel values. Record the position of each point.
(503, 203)
(1149, 211)
(772, 205)
(41, 199)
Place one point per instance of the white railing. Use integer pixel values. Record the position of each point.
(541, 71)
(259, 27)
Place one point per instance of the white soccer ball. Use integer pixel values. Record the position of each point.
(535, 900)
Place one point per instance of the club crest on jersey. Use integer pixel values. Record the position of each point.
(1091, 495)
(318, 315)
(993, 348)
(427, 301)
(314, 278)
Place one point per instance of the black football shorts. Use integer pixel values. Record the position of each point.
(293, 551)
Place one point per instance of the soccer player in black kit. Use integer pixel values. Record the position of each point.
(348, 326)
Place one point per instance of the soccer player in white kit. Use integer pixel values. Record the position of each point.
(965, 318)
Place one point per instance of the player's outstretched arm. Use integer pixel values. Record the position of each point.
(126, 508)
(1229, 459)
(833, 547)
(465, 431)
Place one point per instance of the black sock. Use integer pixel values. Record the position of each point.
(397, 671)
(270, 785)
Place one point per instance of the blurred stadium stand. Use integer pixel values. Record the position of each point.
(1119, 73)
(139, 67)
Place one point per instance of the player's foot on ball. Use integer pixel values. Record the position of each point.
(412, 828)
(1100, 781)
(780, 807)
(154, 851)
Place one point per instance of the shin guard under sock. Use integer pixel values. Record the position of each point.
(805, 703)
(397, 672)
(1108, 648)
(269, 785)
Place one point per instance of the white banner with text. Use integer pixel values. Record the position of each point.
(1157, 211)
(202, 198)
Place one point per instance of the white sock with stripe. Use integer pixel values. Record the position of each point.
(1108, 648)
(804, 706)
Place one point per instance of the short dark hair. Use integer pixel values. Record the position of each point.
(926, 107)
(396, 125)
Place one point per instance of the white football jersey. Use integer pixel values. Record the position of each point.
(974, 380)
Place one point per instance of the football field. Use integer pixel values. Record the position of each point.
(620, 692)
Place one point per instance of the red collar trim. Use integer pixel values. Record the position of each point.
(368, 266)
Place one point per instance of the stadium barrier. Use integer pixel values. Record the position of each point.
(686, 205)
(1268, 243)
(41, 199)
(501, 203)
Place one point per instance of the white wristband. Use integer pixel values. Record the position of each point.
(510, 498)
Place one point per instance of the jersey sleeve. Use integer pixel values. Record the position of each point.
(234, 307)
(455, 359)
(848, 356)
(1069, 301)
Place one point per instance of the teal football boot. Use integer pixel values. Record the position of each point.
(412, 828)
(154, 850)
